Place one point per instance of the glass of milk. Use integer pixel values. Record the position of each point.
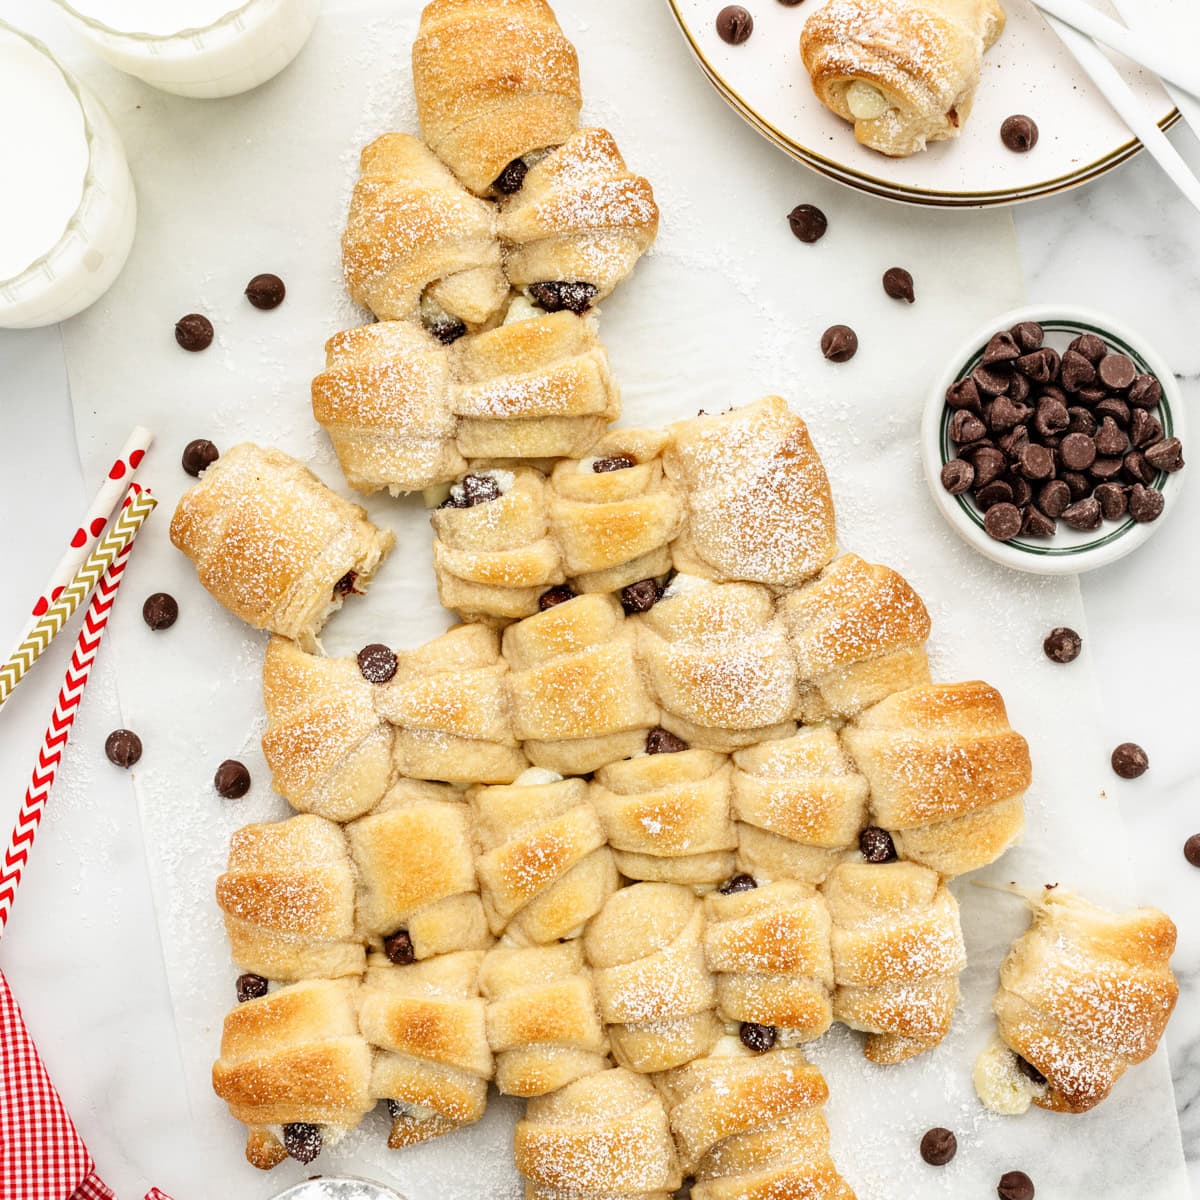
(201, 48)
(67, 208)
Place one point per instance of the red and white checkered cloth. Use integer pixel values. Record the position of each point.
(42, 1156)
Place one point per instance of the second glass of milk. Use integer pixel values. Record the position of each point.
(201, 48)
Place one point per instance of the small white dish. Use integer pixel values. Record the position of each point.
(1068, 552)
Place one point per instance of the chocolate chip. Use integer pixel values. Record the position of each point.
(266, 291)
(1029, 336)
(1015, 1185)
(302, 1140)
(957, 476)
(1019, 133)
(876, 845)
(345, 585)
(839, 343)
(1166, 455)
(991, 381)
(199, 455)
(555, 595)
(617, 462)
(1145, 504)
(250, 987)
(1003, 521)
(663, 741)
(1116, 371)
(1083, 515)
(512, 178)
(898, 284)
(734, 24)
(1076, 371)
(1051, 417)
(1145, 392)
(1053, 498)
(1112, 499)
(123, 748)
(1022, 492)
(377, 663)
(1137, 468)
(1036, 524)
(1062, 645)
(999, 491)
(1078, 484)
(1001, 348)
(1013, 442)
(1115, 408)
(1038, 365)
(232, 779)
(479, 489)
(640, 597)
(1030, 1071)
(1191, 849)
(938, 1147)
(963, 394)
(194, 332)
(448, 330)
(739, 883)
(1110, 439)
(1003, 414)
(1082, 421)
(965, 426)
(1092, 348)
(1104, 469)
(557, 295)
(808, 223)
(160, 611)
(1077, 451)
(1019, 387)
(759, 1038)
(1130, 761)
(1036, 462)
(989, 464)
(1145, 429)
(399, 948)
(1091, 394)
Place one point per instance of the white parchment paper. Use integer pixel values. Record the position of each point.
(728, 307)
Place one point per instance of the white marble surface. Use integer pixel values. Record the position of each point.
(82, 951)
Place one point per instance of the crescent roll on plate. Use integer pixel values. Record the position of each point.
(903, 72)
(1084, 995)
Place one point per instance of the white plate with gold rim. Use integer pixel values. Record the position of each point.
(1026, 71)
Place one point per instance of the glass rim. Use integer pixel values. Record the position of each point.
(225, 19)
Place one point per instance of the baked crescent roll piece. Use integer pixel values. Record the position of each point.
(799, 803)
(497, 84)
(769, 949)
(492, 550)
(295, 1058)
(897, 953)
(578, 700)
(537, 386)
(751, 1126)
(903, 72)
(578, 225)
(667, 816)
(758, 501)
(655, 992)
(417, 895)
(329, 751)
(614, 514)
(1084, 994)
(273, 544)
(858, 632)
(542, 863)
(603, 1137)
(426, 1022)
(717, 659)
(288, 900)
(542, 1021)
(418, 246)
(450, 707)
(947, 773)
(384, 400)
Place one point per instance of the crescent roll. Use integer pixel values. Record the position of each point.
(496, 82)
(273, 544)
(903, 72)
(769, 948)
(897, 953)
(418, 246)
(858, 633)
(542, 862)
(288, 899)
(542, 1021)
(415, 866)
(329, 751)
(758, 501)
(947, 773)
(800, 805)
(667, 816)
(432, 1061)
(656, 995)
(1084, 995)
(603, 1137)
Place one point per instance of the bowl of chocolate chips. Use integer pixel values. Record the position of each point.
(1053, 441)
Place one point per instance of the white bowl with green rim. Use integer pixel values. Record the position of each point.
(1068, 551)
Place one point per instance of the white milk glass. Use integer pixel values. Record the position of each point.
(67, 208)
(200, 48)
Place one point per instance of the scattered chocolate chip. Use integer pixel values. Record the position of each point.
(1082, 421)
(1052, 416)
(991, 381)
(1092, 348)
(808, 222)
(640, 597)
(965, 426)
(266, 291)
(1077, 371)
(1002, 521)
(938, 1147)
(898, 284)
(1110, 439)
(160, 611)
(1029, 336)
(739, 883)
(557, 295)
(377, 663)
(1015, 1185)
(1013, 442)
(1062, 645)
(1019, 387)
(302, 1140)
(957, 476)
(1077, 451)
(448, 330)
(1038, 365)
(989, 464)
(1112, 499)
(1035, 523)
(1091, 393)
(1083, 515)
(1144, 392)
(1116, 371)
(1022, 492)
(555, 595)
(512, 178)
(963, 394)
(194, 332)
(1145, 504)
(617, 462)
(1004, 414)
(876, 845)
(1166, 455)
(1019, 133)
(759, 1038)
(250, 987)
(734, 24)
(839, 343)
(1104, 469)
(123, 748)
(1079, 485)
(663, 741)
(1002, 348)
(1030, 1071)
(998, 491)
(1114, 407)
(232, 779)
(199, 455)
(1036, 462)
(1145, 429)
(479, 489)
(1130, 761)
(1137, 468)
(399, 948)
(1191, 849)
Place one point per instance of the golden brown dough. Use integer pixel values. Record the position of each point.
(273, 544)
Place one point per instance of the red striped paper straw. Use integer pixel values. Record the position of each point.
(63, 716)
